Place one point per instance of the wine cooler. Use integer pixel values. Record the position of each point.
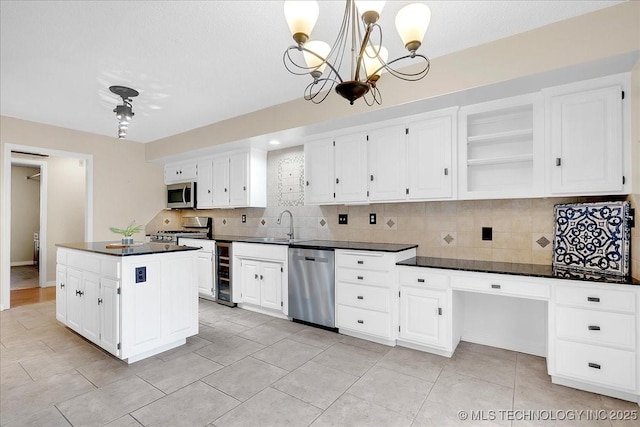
(223, 273)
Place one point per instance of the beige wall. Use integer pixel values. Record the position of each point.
(635, 152)
(25, 213)
(603, 34)
(125, 186)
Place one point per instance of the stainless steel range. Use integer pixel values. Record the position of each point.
(194, 227)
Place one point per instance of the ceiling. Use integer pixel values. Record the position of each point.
(199, 62)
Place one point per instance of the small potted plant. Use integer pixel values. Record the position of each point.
(127, 232)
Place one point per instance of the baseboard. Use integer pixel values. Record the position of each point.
(21, 263)
(50, 284)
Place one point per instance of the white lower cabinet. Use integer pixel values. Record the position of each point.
(205, 265)
(425, 309)
(366, 289)
(260, 273)
(131, 306)
(593, 338)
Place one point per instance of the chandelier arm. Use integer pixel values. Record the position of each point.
(311, 95)
(287, 56)
(363, 45)
(406, 76)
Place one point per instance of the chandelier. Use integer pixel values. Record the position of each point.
(124, 112)
(361, 36)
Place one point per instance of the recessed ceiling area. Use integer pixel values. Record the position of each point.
(200, 62)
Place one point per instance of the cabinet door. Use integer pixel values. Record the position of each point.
(180, 172)
(430, 174)
(319, 172)
(205, 272)
(238, 173)
(221, 181)
(90, 313)
(204, 193)
(74, 299)
(61, 293)
(109, 315)
(271, 285)
(351, 168)
(181, 305)
(586, 141)
(387, 151)
(251, 282)
(421, 320)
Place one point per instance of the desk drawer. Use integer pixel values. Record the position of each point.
(596, 327)
(364, 321)
(501, 286)
(605, 299)
(367, 297)
(599, 365)
(376, 278)
(416, 276)
(365, 260)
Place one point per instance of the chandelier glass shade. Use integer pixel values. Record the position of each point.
(124, 112)
(359, 38)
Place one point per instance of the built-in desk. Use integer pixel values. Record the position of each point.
(587, 329)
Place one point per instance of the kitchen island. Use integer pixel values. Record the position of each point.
(134, 301)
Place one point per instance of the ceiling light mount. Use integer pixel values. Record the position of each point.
(361, 39)
(124, 112)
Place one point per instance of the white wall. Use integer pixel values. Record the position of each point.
(25, 213)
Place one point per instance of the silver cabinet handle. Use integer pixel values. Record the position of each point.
(420, 280)
(360, 262)
(593, 299)
(594, 365)
(558, 161)
(360, 278)
(495, 286)
(361, 321)
(255, 277)
(360, 297)
(261, 277)
(594, 328)
(61, 285)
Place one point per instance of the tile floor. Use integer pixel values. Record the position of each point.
(247, 369)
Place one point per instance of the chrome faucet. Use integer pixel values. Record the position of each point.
(290, 233)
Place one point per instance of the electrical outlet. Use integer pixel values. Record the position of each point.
(243, 218)
(343, 219)
(487, 233)
(372, 218)
(141, 274)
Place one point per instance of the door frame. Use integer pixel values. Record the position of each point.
(5, 226)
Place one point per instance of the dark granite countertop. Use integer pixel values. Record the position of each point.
(532, 270)
(320, 244)
(137, 249)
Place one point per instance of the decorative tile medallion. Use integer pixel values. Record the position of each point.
(592, 237)
(448, 239)
(263, 222)
(390, 223)
(323, 222)
(224, 222)
(291, 180)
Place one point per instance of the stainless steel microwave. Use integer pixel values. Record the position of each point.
(181, 196)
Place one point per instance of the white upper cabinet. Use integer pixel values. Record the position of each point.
(204, 187)
(236, 180)
(180, 172)
(351, 168)
(501, 149)
(430, 160)
(220, 177)
(319, 172)
(586, 138)
(387, 155)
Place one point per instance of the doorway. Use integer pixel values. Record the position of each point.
(65, 202)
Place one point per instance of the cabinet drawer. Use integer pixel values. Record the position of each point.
(606, 299)
(367, 261)
(364, 321)
(367, 297)
(501, 286)
(376, 278)
(596, 327)
(599, 365)
(422, 277)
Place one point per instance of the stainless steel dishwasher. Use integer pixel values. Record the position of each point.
(312, 288)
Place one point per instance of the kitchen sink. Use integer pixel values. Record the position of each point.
(277, 240)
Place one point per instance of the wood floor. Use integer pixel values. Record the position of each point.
(32, 295)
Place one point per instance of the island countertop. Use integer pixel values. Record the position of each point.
(136, 249)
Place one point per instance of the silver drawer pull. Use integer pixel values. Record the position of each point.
(593, 299)
(594, 328)
(361, 321)
(594, 365)
(496, 286)
(420, 280)
(360, 262)
(360, 297)
(360, 278)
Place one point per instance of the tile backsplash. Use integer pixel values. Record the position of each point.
(521, 229)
